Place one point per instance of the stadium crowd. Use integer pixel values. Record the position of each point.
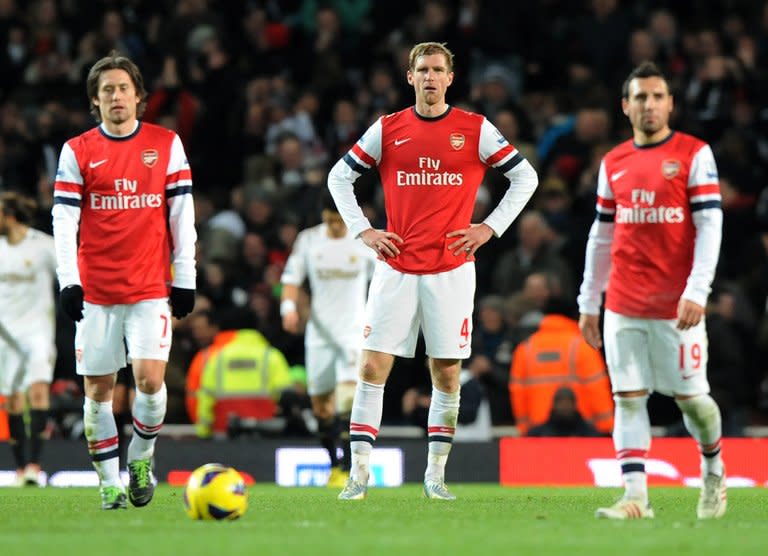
(266, 95)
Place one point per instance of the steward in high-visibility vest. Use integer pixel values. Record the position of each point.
(557, 355)
(240, 364)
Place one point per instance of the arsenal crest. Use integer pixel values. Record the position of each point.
(457, 140)
(149, 157)
(670, 168)
(366, 331)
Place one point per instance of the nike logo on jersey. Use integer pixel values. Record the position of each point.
(97, 164)
(399, 142)
(462, 346)
(617, 175)
(163, 346)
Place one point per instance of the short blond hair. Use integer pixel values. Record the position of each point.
(427, 48)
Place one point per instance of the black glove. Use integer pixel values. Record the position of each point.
(71, 301)
(182, 302)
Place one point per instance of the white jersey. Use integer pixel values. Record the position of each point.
(338, 270)
(27, 274)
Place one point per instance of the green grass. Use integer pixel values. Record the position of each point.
(486, 519)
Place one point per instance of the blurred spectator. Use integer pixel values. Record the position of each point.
(554, 356)
(564, 418)
(535, 252)
(491, 356)
(240, 366)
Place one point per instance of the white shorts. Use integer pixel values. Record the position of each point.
(105, 331)
(327, 366)
(441, 304)
(18, 372)
(653, 354)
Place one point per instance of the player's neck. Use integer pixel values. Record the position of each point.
(431, 110)
(120, 130)
(16, 234)
(642, 138)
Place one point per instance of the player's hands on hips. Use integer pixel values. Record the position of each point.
(182, 301)
(384, 243)
(590, 329)
(470, 239)
(71, 301)
(291, 322)
(689, 314)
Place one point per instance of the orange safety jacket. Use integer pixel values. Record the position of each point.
(557, 355)
(195, 372)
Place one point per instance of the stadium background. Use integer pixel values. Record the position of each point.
(267, 95)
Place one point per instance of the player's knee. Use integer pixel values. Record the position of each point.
(630, 404)
(39, 397)
(322, 407)
(345, 395)
(700, 408)
(15, 404)
(372, 371)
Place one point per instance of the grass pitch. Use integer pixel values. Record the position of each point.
(486, 519)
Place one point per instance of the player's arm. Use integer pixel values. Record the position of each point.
(496, 151)
(181, 222)
(294, 274)
(597, 263)
(67, 200)
(363, 156)
(706, 212)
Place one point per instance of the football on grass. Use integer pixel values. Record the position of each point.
(215, 492)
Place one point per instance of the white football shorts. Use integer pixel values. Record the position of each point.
(441, 304)
(105, 330)
(653, 354)
(328, 365)
(18, 371)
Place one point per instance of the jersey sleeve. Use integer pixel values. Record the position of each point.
(597, 262)
(363, 156)
(496, 151)
(295, 271)
(67, 200)
(181, 216)
(704, 200)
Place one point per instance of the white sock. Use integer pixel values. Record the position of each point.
(364, 427)
(148, 414)
(632, 440)
(701, 416)
(441, 427)
(101, 434)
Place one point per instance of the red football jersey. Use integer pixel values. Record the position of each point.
(130, 200)
(431, 169)
(651, 193)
